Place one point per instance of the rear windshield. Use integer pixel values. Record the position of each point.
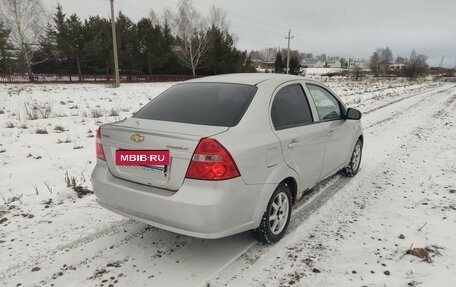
(214, 104)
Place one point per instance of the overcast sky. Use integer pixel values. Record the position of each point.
(348, 28)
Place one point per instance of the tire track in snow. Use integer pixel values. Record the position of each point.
(394, 114)
(110, 230)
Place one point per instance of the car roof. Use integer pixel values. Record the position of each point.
(246, 78)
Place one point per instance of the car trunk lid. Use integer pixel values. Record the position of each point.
(179, 138)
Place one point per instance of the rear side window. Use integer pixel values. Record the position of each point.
(214, 104)
(290, 108)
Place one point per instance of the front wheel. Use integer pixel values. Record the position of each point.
(353, 166)
(277, 216)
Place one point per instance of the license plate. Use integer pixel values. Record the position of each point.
(142, 157)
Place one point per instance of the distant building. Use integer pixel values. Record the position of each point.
(316, 63)
(262, 65)
(312, 63)
(333, 64)
(357, 64)
(396, 67)
(319, 64)
(267, 65)
(308, 62)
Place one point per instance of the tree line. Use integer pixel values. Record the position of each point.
(382, 60)
(294, 66)
(180, 42)
(184, 42)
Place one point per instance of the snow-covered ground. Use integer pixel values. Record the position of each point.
(348, 232)
(320, 71)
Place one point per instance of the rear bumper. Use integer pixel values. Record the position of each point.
(204, 209)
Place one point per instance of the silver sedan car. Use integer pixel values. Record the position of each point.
(241, 148)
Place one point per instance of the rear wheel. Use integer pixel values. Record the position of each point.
(355, 161)
(277, 216)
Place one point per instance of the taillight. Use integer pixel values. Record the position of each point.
(99, 146)
(211, 161)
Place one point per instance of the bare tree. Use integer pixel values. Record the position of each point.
(375, 63)
(386, 57)
(217, 18)
(380, 61)
(400, 60)
(168, 19)
(25, 19)
(416, 66)
(269, 54)
(154, 19)
(191, 34)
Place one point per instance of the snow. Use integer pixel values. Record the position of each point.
(320, 71)
(347, 228)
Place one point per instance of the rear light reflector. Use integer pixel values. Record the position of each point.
(99, 146)
(211, 161)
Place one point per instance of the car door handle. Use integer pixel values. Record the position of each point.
(330, 133)
(293, 143)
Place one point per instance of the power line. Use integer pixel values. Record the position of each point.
(245, 26)
(247, 18)
(239, 25)
(276, 26)
(312, 43)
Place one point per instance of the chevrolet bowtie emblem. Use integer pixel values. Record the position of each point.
(137, 138)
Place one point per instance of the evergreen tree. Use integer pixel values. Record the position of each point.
(4, 49)
(73, 41)
(45, 56)
(219, 51)
(55, 34)
(295, 66)
(222, 56)
(173, 66)
(61, 46)
(97, 50)
(249, 67)
(279, 63)
(49, 57)
(127, 45)
(152, 45)
(71, 46)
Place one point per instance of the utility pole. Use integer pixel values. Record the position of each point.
(114, 44)
(288, 50)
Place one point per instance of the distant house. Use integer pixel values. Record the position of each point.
(312, 63)
(308, 62)
(333, 64)
(396, 67)
(319, 64)
(267, 65)
(357, 64)
(262, 65)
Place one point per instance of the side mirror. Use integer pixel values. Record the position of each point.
(353, 114)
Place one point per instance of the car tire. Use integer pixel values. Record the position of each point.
(355, 161)
(276, 218)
